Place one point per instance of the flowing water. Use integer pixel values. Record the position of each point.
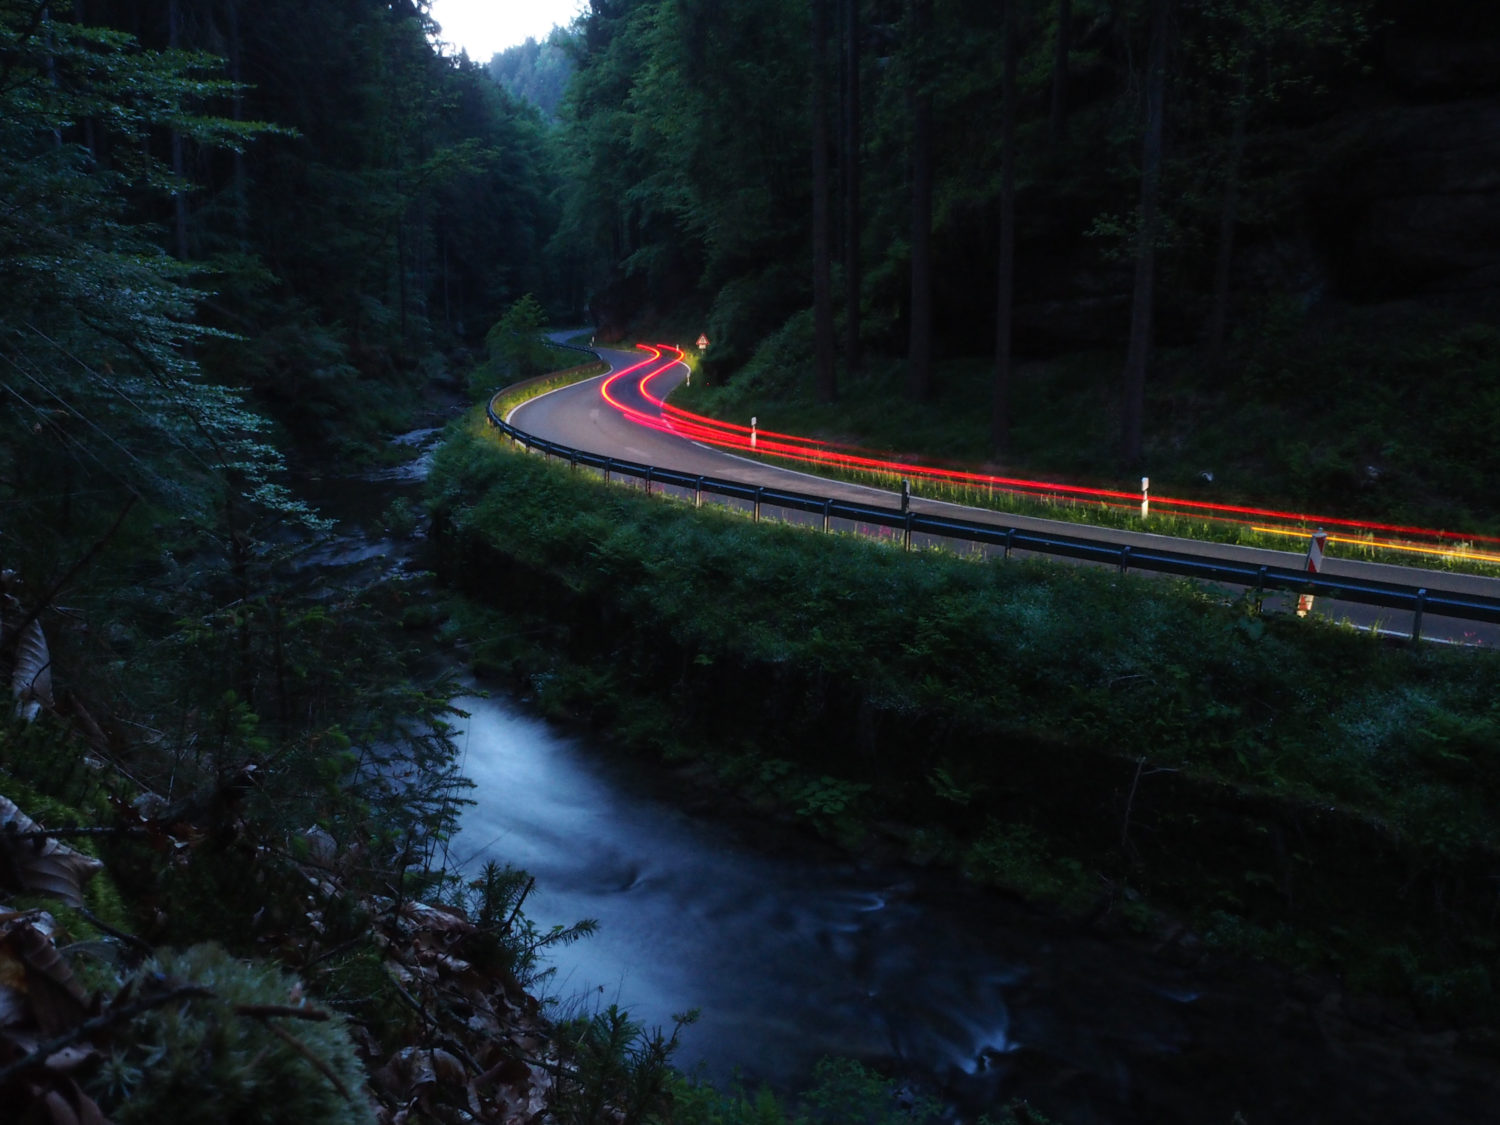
(791, 955)
(792, 952)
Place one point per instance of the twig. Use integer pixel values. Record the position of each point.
(335, 950)
(306, 1052)
(104, 1020)
(1129, 801)
(411, 1000)
(119, 935)
(266, 1011)
(75, 833)
(57, 587)
(529, 884)
(1130, 798)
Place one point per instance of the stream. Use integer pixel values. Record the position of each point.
(790, 951)
(791, 958)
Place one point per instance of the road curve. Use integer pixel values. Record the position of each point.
(625, 424)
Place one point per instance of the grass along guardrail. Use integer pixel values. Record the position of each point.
(1412, 598)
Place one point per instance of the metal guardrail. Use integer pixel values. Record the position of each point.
(1262, 579)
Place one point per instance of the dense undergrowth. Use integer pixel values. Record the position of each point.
(1111, 744)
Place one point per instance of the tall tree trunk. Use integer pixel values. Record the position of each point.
(1218, 314)
(1133, 404)
(1004, 302)
(237, 107)
(852, 264)
(919, 353)
(46, 17)
(401, 272)
(1058, 122)
(90, 138)
(823, 333)
(179, 145)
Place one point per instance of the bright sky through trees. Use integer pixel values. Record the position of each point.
(485, 27)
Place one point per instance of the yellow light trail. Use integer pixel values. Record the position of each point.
(1461, 552)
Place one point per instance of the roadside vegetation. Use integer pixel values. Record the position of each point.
(1331, 418)
(1116, 746)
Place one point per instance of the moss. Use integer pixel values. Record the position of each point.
(196, 1055)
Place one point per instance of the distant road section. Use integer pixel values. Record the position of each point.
(619, 415)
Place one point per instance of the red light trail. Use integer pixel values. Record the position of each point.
(813, 451)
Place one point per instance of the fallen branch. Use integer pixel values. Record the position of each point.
(100, 1022)
(306, 1052)
(267, 1011)
(119, 935)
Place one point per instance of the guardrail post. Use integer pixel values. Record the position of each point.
(759, 492)
(648, 480)
(698, 494)
(1124, 558)
(608, 461)
(1416, 617)
(1010, 534)
(827, 516)
(573, 461)
(1260, 588)
(906, 534)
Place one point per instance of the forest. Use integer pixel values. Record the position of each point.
(243, 244)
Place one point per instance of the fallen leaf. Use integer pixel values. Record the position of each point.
(31, 676)
(41, 863)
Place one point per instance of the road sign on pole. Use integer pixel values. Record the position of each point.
(702, 342)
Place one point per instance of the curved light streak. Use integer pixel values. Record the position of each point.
(814, 451)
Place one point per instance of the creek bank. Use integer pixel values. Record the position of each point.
(1093, 827)
(1260, 869)
(793, 945)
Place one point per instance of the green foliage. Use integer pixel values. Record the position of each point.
(828, 798)
(700, 1103)
(615, 1065)
(1148, 667)
(536, 72)
(848, 1093)
(400, 518)
(97, 328)
(1013, 856)
(844, 1092)
(1064, 732)
(507, 939)
(209, 1051)
(516, 347)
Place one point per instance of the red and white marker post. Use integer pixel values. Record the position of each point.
(1314, 564)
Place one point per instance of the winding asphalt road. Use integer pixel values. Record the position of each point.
(579, 416)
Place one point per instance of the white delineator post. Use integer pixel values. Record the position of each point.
(1314, 564)
(752, 433)
(1145, 497)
